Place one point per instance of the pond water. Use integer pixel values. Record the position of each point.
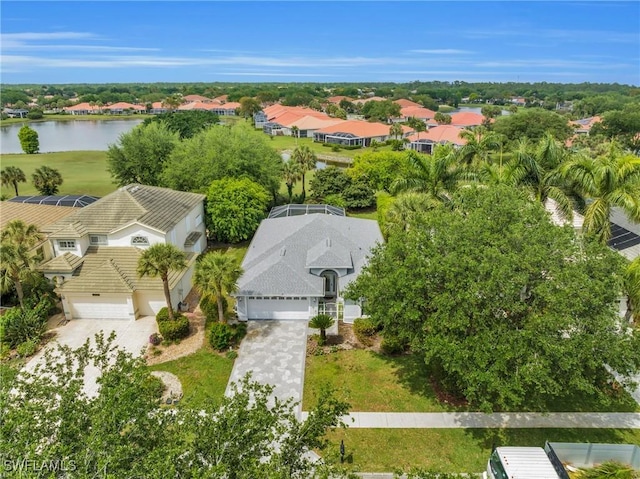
(68, 135)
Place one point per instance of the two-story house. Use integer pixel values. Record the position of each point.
(97, 250)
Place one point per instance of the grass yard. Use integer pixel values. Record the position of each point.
(400, 382)
(371, 214)
(83, 172)
(289, 143)
(103, 117)
(203, 374)
(452, 450)
(402, 385)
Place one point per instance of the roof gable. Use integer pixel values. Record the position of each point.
(328, 254)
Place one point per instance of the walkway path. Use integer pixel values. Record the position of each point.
(274, 352)
(516, 420)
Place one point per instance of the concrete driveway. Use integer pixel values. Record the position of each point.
(274, 351)
(131, 336)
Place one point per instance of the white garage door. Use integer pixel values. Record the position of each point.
(99, 307)
(280, 308)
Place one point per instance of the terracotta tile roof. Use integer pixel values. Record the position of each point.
(232, 105)
(81, 107)
(417, 112)
(441, 134)
(197, 105)
(113, 269)
(158, 105)
(403, 102)
(191, 98)
(43, 216)
(157, 208)
(359, 128)
(273, 112)
(361, 101)
(221, 98)
(466, 118)
(337, 99)
(308, 122)
(123, 105)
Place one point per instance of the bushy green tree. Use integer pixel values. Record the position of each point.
(235, 208)
(508, 310)
(381, 110)
(140, 154)
(380, 168)
(29, 141)
(223, 151)
(533, 123)
(47, 180)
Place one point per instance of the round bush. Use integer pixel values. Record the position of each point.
(155, 339)
(27, 348)
(239, 332)
(392, 345)
(220, 336)
(176, 329)
(364, 329)
(163, 315)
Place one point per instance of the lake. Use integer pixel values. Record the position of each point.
(68, 135)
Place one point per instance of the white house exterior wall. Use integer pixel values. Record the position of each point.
(181, 230)
(105, 306)
(148, 303)
(123, 236)
(81, 246)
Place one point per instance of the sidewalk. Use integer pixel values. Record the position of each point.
(516, 420)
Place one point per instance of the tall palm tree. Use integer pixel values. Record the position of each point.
(609, 180)
(217, 274)
(396, 130)
(16, 258)
(480, 142)
(418, 125)
(11, 176)
(436, 175)
(158, 261)
(46, 180)
(290, 174)
(295, 131)
(306, 160)
(404, 209)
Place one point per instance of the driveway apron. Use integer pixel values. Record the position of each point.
(274, 352)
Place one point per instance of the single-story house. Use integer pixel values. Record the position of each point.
(426, 141)
(97, 248)
(15, 112)
(404, 103)
(466, 119)
(418, 112)
(83, 108)
(124, 108)
(298, 266)
(355, 133)
(158, 108)
(226, 109)
(196, 98)
(583, 126)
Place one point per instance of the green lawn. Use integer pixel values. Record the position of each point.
(402, 385)
(281, 143)
(453, 450)
(83, 172)
(371, 214)
(203, 374)
(105, 117)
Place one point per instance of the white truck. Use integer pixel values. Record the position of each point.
(556, 459)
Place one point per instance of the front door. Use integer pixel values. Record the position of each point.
(330, 284)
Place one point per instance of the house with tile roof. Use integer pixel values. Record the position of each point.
(84, 108)
(355, 133)
(96, 250)
(124, 108)
(439, 135)
(298, 266)
(279, 120)
(196, 98)
(466, 119)
(418, 112)
(404, 103)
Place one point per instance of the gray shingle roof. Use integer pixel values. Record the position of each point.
(283, 249)
(157, 208)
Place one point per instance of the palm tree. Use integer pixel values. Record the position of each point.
(417, 125)
(295, 131)
(322, 322)
(291, 174)
(632, 284)
(16, 258)
(306, 161)
(436, 175)
(159, 260)
(404, 209)
(396, 130)
(217, 274)
(46, 180)
(607, 181)
(479, 143)
(11, 176)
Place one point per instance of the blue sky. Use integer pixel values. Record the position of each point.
(206, 41)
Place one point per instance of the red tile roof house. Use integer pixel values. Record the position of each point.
(124, 108)
(439, 135)
(337, 99)
(583, 126)
(354, 133)
(157, 108)
(404, 103)
(278, 120)
(466, 119)
(226, 109)
(362, 101)
(418, 112)
(194, 98)
(82, 109)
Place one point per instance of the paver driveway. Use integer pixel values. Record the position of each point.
(131, 336)
(274, 352)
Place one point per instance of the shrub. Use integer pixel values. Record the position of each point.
(364, 329)
(20, 325)
(335, 200)
(35, 114)
(239, 332)
(163, 315)
(210, 308)
(392, 345)
(220, 336)
(155, 339)
(176, 329)
(154, 385)
(28, 348)
(231, 355)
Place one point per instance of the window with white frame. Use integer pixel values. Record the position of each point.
(198, 220)
(140, 241)
(98, 239)
(67, 244)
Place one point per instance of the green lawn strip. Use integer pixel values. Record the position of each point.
(452, 450)
(365, 214)
(83, 172)
(103, 117)
(373, 382)
(204, 376)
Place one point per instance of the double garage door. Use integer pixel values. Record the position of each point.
(278, 308)
(99, 307)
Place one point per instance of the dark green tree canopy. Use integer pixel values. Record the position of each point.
(533, 123)
(333, 183)
(508, 310)
(140, 155)
(380, 110)
(223, 151)
(185, 123)
(235, 208)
